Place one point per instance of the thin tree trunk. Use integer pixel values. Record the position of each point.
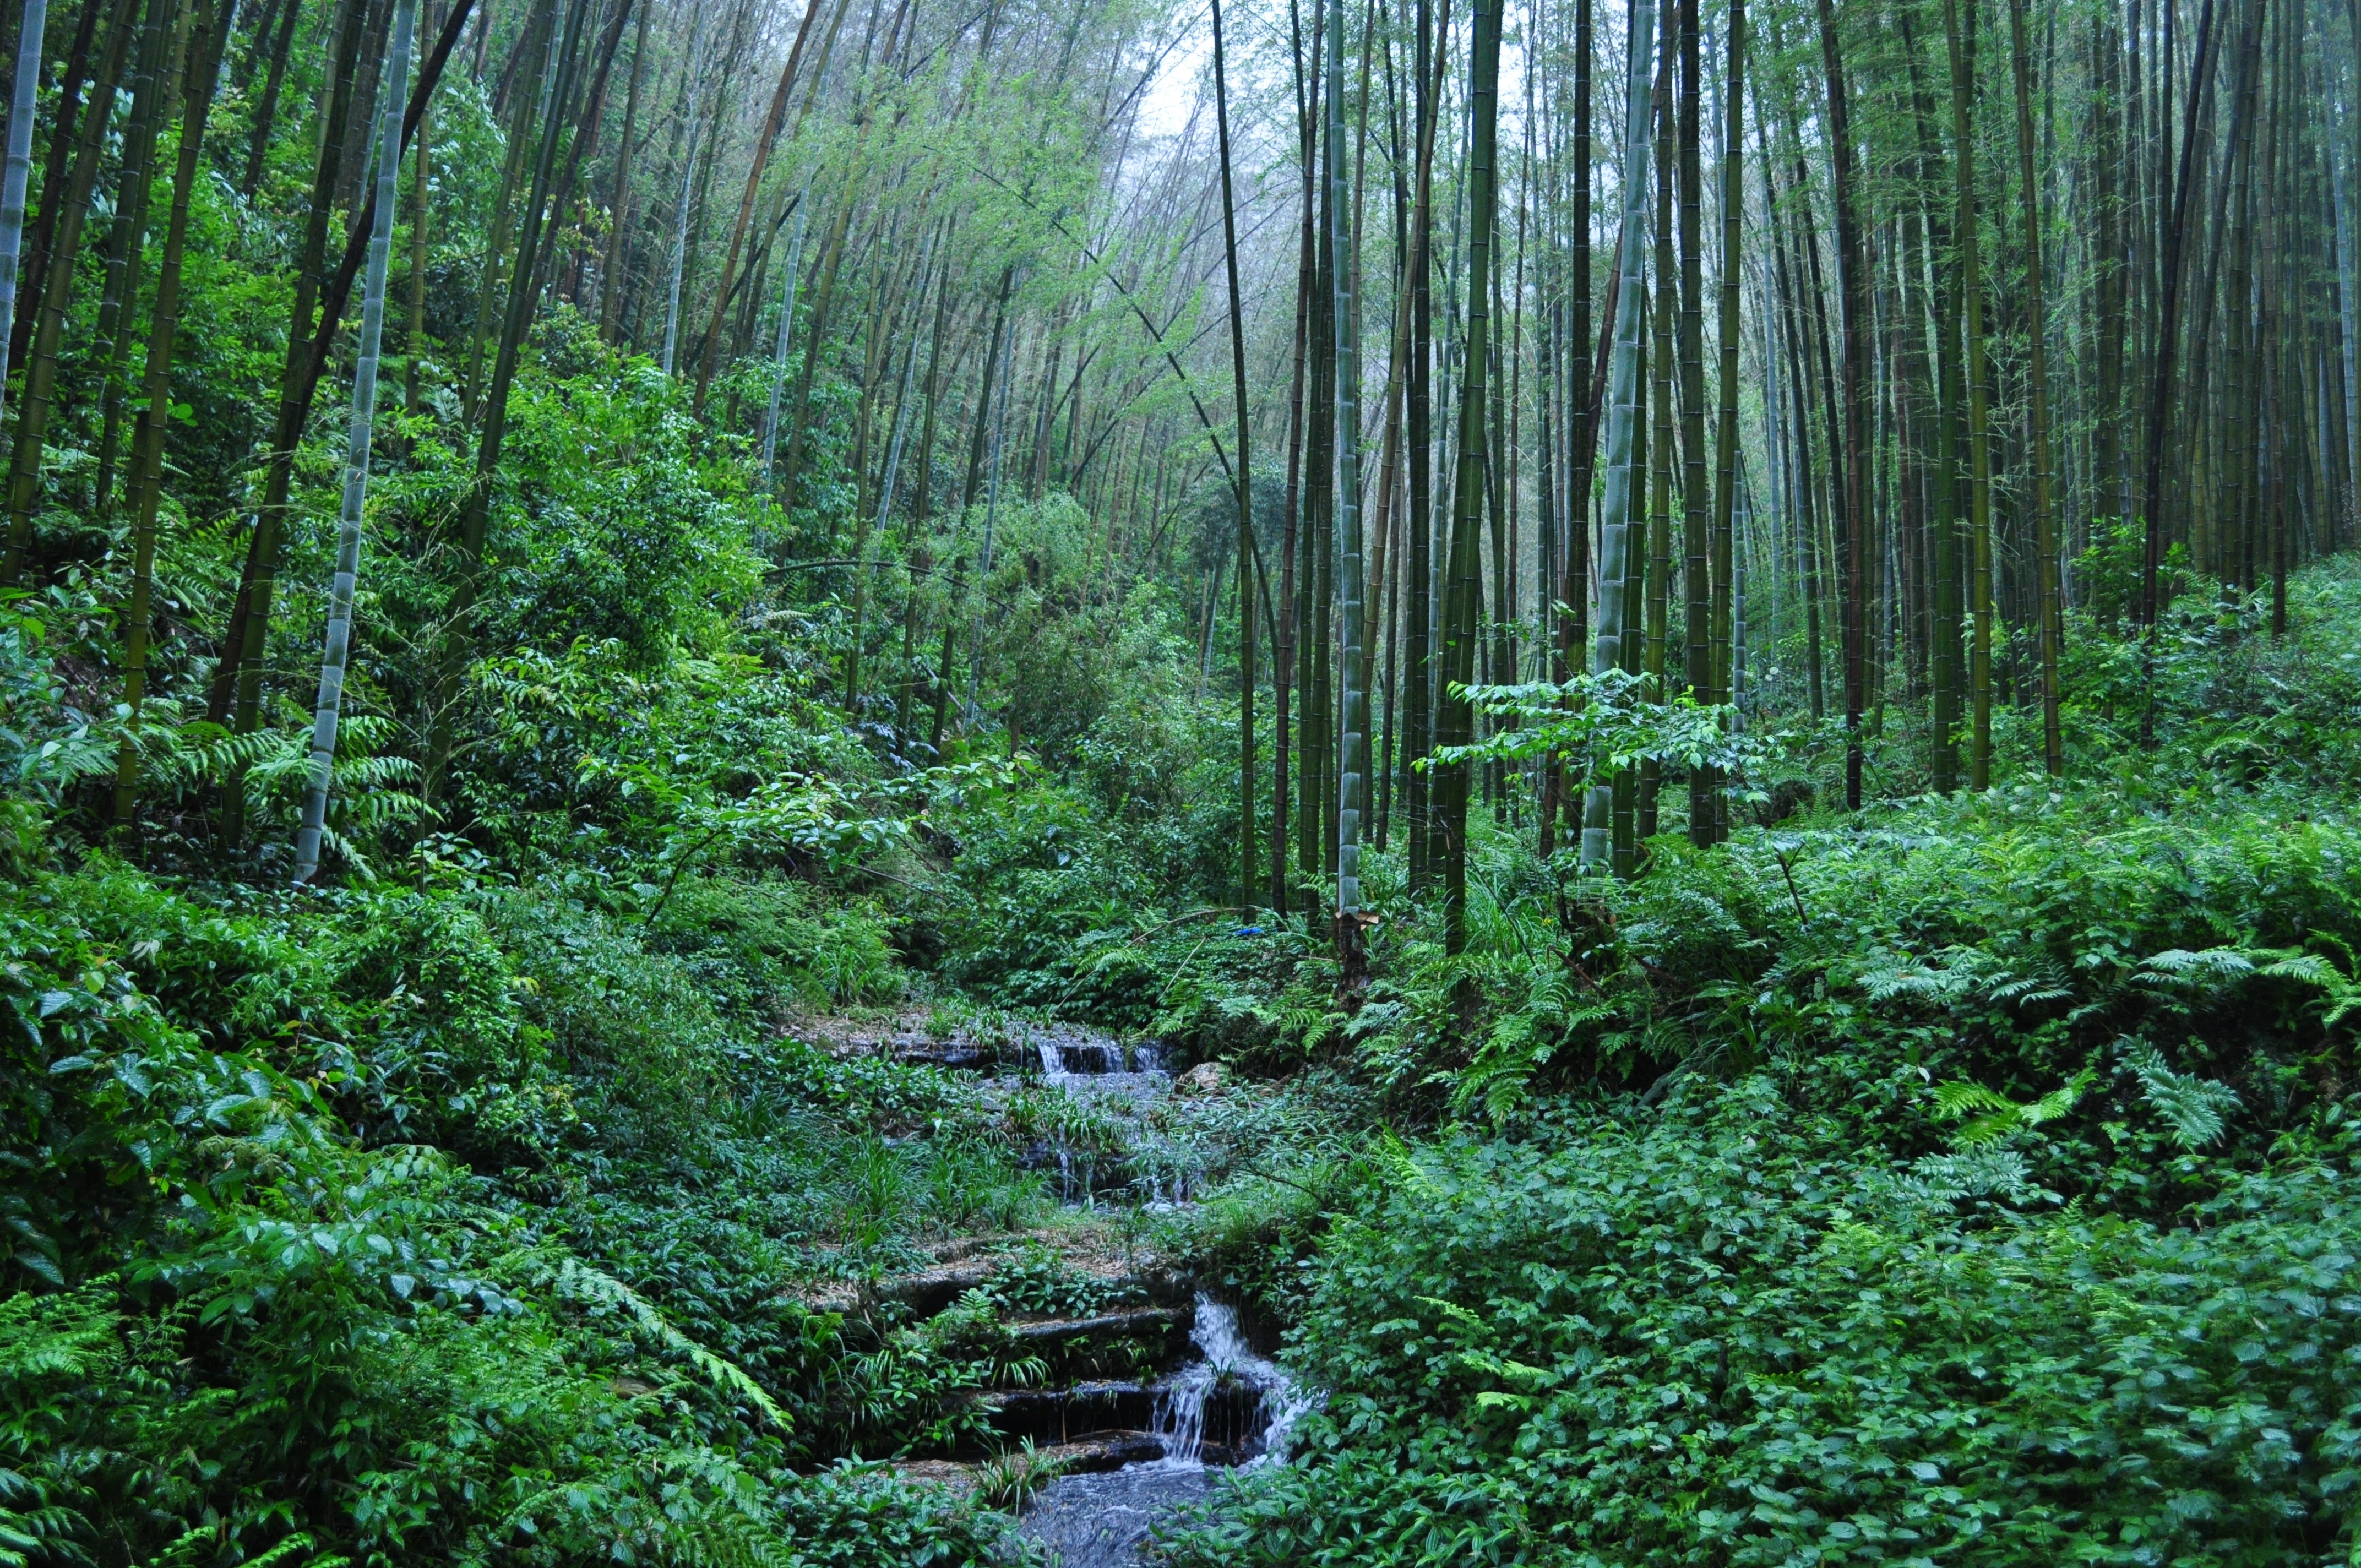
(1852, 283)
(2161, 397)
(265, 114)
(242, 646)
(590, 115)
(236, 693)
(413, 341)
(861, 572)
(2110, 264)
(1696, 499)
(127, 238)
(2052, 625)
(1417, 725)
(19, 170)
(695, 87)
(64, 139)
(1733, 203)
(41, 369)
(1662, 366)
(763, 142)
(1284, 656)
(619, 216)
(1247, 863)
(1573, 579)
(1945, 671)
(779, 368)
(1804, 485)
(329, 706)
(1462, 607)
(991, 516)
(799, 416)
(148, 459)
(540, 32)
(1315, 723)
(1352, 764)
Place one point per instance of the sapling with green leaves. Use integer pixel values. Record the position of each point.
(1603, 724)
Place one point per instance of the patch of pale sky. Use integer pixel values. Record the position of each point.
(1186, 72)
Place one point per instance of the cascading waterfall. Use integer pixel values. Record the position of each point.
(1102, 1073)
(1181, 1402)
(1228, 1406)
(1071, 1063)
(1180, 1413)
(1104, 1520)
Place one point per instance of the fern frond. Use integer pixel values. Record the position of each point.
(576, 1277)
(2195, 1108)
(45, 1337)
(1956, 1099)
(2058, 1100)
(1976, 1173)
(1991, 1115)
(2198, 969)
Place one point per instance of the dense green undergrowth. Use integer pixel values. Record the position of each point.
(1960, 1180)
(1965, 1181)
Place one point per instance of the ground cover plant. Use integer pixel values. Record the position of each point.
(735, 734)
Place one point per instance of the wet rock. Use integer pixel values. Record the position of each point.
(930, 1290)
(1205, 1078)
(1157, 1321)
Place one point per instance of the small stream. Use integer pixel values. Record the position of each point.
(1102, 1520)
(1230, 1407)
(1121, 1081)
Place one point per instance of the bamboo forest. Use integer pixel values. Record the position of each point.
(1177, 783)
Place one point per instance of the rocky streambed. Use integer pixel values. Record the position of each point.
(1139, 1404)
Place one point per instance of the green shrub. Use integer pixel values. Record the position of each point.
(1719, 1333)
(631, 1028)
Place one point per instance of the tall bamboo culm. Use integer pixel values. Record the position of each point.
(1620, 503)
(362, 428)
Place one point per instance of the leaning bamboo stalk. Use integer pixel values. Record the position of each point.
(19, 170)
(244, 646)
(66, 124)
(771, 123)
(611, 272)
(126, 241)
(330, 706)
(474, 517)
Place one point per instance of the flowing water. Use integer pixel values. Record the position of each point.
(1103, 1520)
(1120, 1080)
(1228, 1408)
